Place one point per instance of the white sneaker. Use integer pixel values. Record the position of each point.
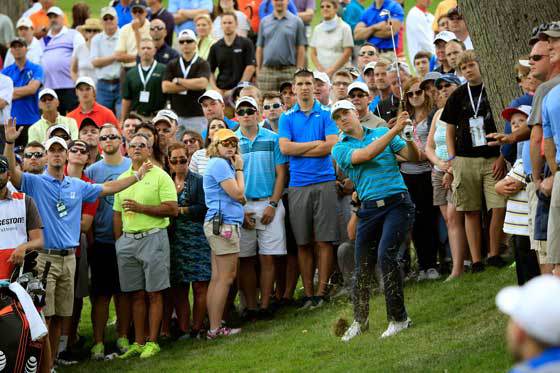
(421, 276)
(432, 274)
(354, 330)
(396, 327)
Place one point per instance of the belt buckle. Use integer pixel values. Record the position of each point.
(138, 236)
(380, 203)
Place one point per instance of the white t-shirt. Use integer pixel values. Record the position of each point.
(468, 43)
(6, 93)
(85, 68)
(242, 26)
(330, 44)
(419, 33)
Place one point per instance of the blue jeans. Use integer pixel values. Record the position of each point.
(109, 95)
(380, 233)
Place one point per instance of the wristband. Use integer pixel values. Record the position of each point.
(239, 169)
(273, 204)
(450, 158)
(136, 175)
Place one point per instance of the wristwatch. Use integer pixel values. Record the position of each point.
(273, 204)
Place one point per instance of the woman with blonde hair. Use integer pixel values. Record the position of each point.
(203, 24)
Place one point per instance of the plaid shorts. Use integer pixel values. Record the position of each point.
(270, 77)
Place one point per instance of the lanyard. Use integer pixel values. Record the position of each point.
(188, 68)
(147, 78)
(472, 101)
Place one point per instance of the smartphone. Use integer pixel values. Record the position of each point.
(217, 224)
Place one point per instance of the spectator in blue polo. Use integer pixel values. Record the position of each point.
(307, 135)
(374, 26)
(369, 158)
(27, 78)
(124, 14)
(185, 11)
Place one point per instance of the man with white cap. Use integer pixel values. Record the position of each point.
(322, 90)
(24, 28)
(48, 103)
(166, 129)
(58, 46)
(131, 34)
(533, 330)
(59, 200)
(265, 176)
(358, 94)
(185, 80)
(88, 106)
(141, 91)
(213, 106)
(386, 210)
(440, 41)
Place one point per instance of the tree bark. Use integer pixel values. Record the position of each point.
(12, 8)
(500, 32)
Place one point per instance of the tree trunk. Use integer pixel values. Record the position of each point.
(500, 31)
(12, 8)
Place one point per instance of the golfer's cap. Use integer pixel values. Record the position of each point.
(342, 104)
(24, 22)
(224, 134)
(211, 94)
(138, 4)
(108, 11)
(18, 40)
(322, 77)
(432, 76)
(4, 162)
(402, 65)
(168, 113)
(55, 140)
(47, 91)
(55, 10)
(445, 36)
(187, 34)
(85, 80)
(285, 84)
(507, 113)
(57, 127)
(162, 118)
(449, 78)
(358, 85)
(371, 65)
(552, 32)
(535, 307)
(246, 100)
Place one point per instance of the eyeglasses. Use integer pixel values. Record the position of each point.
(272, 106)
(229, 143)
(47, 98)
(63, 136)
(109, 137)
(157, 28)
(76, 150)
(443, 85)
(92, 30)
(108, 18)
(537, 57)
(341, 84)
(418, 93)
(358, 95)
(139, 146)
(174, 161)
(368, 53)
(186, 41)
(243, 112)
(137, 11)
(29, 155)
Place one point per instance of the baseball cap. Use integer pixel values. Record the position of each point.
(24, 22)
(162, 118)
(239, 87)
(17, 40)
(285, 84)
(85, 80)
(342, 104)
(55, 140)
(108, 11)
(402, 65)
(371, 65)
(211, 94)
(446, 36)
(449, 78)
(246, 100)
(224, 134)
(358, 85)
(322, 77)
(430, 77)
(535, 307)
(553, 30)
(187, 34)
(524, 63)
(169, 114)
(55, 10)
(507, 113)
(4, 162)
(47, 91)
(455, 11)
(57, 127)
(138, 4)
(87, 122)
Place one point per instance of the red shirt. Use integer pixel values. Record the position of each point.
(99, 114)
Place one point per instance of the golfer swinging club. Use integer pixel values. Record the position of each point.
(368, 157)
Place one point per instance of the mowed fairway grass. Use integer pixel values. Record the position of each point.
(457, 328)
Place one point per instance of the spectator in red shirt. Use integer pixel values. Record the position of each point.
(88, 107)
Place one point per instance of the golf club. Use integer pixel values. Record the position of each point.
(386, 13)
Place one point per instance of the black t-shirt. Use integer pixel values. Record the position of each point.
(457, 112)
(388, 108)
(187, 105)
(439, 69)
(231, 60)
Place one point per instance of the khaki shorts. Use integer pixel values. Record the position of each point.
(473, 179)
(222, 244)
(553, 231)
(60, 284)
(538, 246)
(442, 196)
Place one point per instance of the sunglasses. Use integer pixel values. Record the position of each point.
(537, 57)
(108, 18)
(418, 93)
(186, 41)
(156, 28)
(63, 136)
(189, 141)
(174, 161)
(139, 146)
(455, 18)
(91, 30)
(109, 137)
(47, 98)
(243, 112)
(443, 85)
(272, 106)
(30, 155)
(137, 11)
(229, 143)
(358, 95)
(368, 53)
(78, 150)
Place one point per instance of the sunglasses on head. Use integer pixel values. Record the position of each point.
(368, 53)
(229, 143)
(358, 95)
(537, 57)
(30, 155)
(189, 141)
(47, 98)
(186, 41)
(76, 150)
(174, 161)
(109, 137)
(418, 93)
(276, 105)
(243, 112)
(156, 28)
(137, 145)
